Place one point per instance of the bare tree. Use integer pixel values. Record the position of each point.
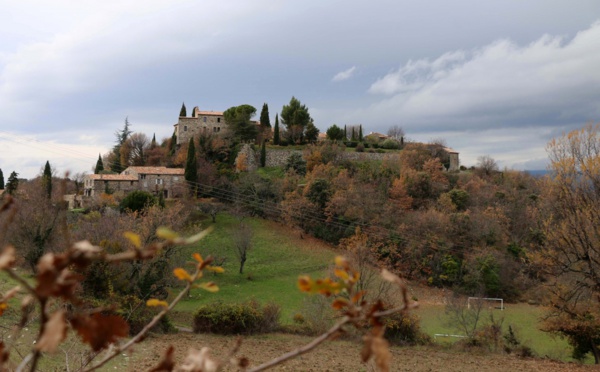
(138, 144)
(487, 165)
(396, 132)
(242, 239)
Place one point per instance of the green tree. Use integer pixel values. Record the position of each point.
(345, 133)
(99, 165)
(263, 155)
(238, 119)
(13, 183)
(1, 180)
(191, 167)
(137, 201)
(353, 137)
(265, 121)
(173, 144)
(295, 117)
(276, 138)
(312, 132)
(47, 180)
(122, 135)
(183, 111)
(360, 133)
(335, 133)
(153, 143)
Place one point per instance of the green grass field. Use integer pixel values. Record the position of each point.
(271, 271)
(523, 318)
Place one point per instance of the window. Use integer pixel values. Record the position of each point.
(218, 129)
(185, 128)
(159, 181)
(142, 176)
(204, 119)
(218, 120)
(131, 183)
(175, 178)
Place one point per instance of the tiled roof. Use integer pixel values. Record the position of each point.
(112, 177)
(157, 170)
(449, 150)
(210, 113)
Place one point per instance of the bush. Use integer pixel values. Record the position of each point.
(137, 201)
(390, 144)
(404, 329)
(360, 148)
(243, 318)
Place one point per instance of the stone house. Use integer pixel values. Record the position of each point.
(168, 181)
(201, 122)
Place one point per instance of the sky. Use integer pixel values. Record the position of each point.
(498, 78)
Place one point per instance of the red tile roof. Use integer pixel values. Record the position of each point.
(210, 113)
(112, 177)
(156, 170)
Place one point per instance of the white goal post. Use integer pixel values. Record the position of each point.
(485, 299)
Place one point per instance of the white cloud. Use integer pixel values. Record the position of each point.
(344, 75)
(548, 82)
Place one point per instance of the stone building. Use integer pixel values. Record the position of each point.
(156, 180)
(201, 122)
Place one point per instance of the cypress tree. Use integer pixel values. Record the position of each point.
(1, 180)
(265, 121)
(191, 168)
(47, 180)
(99, 165)
(153, 143)
(360, 136)
(183, 111)
(172, 144)
(345, 133)
(276, 131)
(13, 183)
(353, 138)
(263, 154)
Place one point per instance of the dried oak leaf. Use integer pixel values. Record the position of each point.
(376, 346)
(199, 361)
(3, 355)
(7, 258)
(167, 362)
(54, 279)
(55, 331)
(100, 330)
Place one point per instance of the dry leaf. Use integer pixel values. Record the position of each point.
(154, 302)
(100, 330)
(55, 331)
(210, 287)
(7, 258)
(181, 274)
(166, 362)
(133, 238)
(199, 361)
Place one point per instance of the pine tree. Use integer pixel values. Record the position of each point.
(1, 180)
(183, 111)
(47, 180)
(13, 183)
(191, 168)
(263, 154)
(265, 121)
(173, 144)
(360, 135)
(276, 130)
(122, 136)
(99, 165)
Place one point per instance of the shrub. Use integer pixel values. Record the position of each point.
(137, 201)
(390, 144)
(297, 163)
(243, 318)
(360, 147)
(404, 329)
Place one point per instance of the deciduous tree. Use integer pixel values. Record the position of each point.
(571, 254)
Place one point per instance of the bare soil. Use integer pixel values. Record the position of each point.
(339, 355)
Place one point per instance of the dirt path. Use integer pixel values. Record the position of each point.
(335, 356)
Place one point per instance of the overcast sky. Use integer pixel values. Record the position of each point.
(495, 78)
